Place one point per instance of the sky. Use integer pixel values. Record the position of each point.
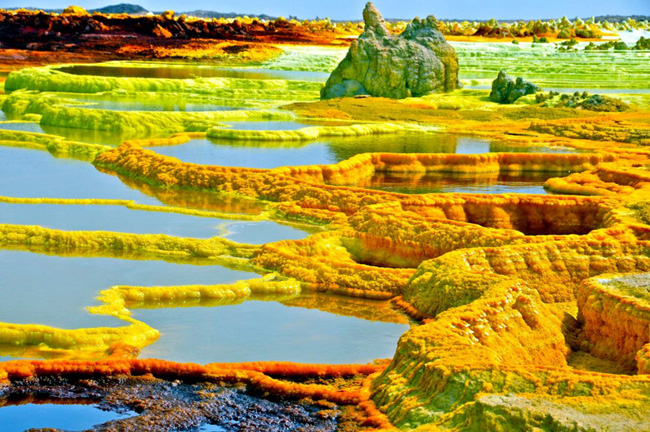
(351, 9)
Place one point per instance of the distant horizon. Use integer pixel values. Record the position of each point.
(350, 10)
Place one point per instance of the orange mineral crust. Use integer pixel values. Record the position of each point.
(493, 332)
(631, 128)
(614, 313)
(322, 384)
(528, 214)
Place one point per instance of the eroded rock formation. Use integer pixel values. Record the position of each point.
(415, 63)
(505, 90)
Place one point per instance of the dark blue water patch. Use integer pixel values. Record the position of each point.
(267, 331)
(211, 428)
(18, 418)
(55, 290)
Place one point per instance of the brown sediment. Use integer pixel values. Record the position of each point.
(169, 396)
(48, 32)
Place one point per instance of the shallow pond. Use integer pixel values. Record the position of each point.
(55, 290)
(18, 418)
(149, 103)
(121, 219)
(22, 126)
(188, 71)
(268, 330)
(261, 154)
(207, 332)
(37, 174)
(532, 183)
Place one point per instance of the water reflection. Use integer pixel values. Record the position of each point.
(528, 183)
(265, 154)
(36, 174)
(186, 71)
(58, 293)
(122, 219)
(150, 102)
(22, 126)
(194, 199)
(55, 416)
(345, 331)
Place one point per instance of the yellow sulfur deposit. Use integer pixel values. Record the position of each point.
(527, 311)
(496, 279)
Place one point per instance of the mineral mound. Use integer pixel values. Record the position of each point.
(505, 90)
(415, 63)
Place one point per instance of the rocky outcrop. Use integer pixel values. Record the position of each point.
(76, 30)
(505, 90)
(415, 63)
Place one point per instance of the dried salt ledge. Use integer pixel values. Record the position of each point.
(632, 128)
(50, 78)
(490, 303)
(315, 132)
(606, 179)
